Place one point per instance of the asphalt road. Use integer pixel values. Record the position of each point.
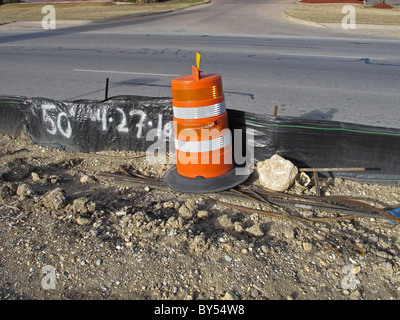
(264, 60)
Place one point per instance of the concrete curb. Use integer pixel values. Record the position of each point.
(360, 26)
(37, 25)
(338, 26)
(305, 22)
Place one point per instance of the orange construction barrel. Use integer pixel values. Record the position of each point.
(203, 141)
(202, 136)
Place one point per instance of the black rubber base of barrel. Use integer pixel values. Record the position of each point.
(202, 185)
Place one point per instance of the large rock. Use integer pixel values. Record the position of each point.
(55, 199)
(277, 173)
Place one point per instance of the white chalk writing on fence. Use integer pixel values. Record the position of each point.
(58, 122)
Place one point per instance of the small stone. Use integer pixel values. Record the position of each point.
(55, 199)
(303, 179)
(264, 249)
(83, 205)
(373, 239)
(202, 214)
(356, 270)
(190, 296)
(225, 222)
(174, 223)
(255, 230)
(129, 244)
(259, 285)
(228, 258)
(99, 262)
(307, 246)
(86, 179)
(288, 234)
(168, 204)
(238, 227)
(35, 177)
(229, 295)
(355, 295)
(185, 213)
(82, 221)
(254, 293)
(104, 287)
(187, 210)
(24, 191)
(54, 179)
(292, 296)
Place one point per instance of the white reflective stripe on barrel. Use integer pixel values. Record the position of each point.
(204, 146)
(200, 112)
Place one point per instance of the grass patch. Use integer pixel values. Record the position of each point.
(332, 13)
(92, 11)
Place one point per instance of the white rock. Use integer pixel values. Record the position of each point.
(24, 190)
(230, 296)
(307, 246)
(86, 179)
(35, 177)
(185, 212)
(255, 230)
(225, 221)
(277, 173)
(228, 258)
(82, 221)
(202, 214)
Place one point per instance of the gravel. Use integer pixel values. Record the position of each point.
(105, 239)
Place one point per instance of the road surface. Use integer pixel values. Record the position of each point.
(264, 60)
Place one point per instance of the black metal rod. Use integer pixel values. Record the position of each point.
(107, 82)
